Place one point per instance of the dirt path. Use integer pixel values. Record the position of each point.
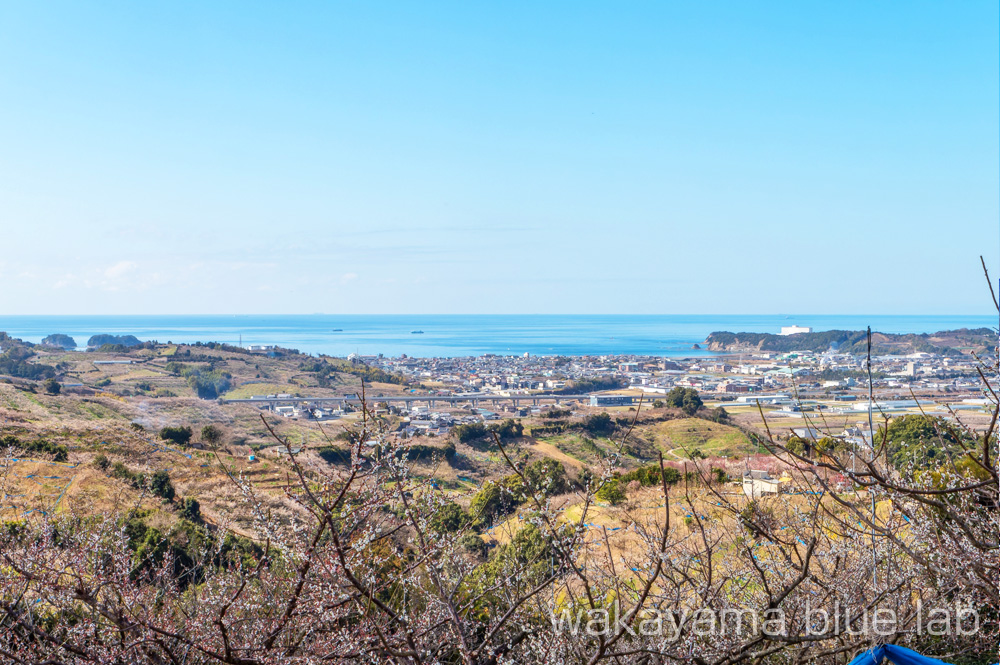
(549, 450)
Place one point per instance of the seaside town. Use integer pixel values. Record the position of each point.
(747, 378)
(785, 387)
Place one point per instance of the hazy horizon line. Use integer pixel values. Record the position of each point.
(787, 314)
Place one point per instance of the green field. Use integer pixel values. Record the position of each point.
(248, 390)
(584, 449)
(712, 439)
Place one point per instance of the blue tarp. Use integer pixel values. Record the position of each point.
(895, 655)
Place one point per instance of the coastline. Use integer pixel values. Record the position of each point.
(671, 336)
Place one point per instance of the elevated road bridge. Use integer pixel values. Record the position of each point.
(431, 400)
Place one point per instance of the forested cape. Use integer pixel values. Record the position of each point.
(948, 342)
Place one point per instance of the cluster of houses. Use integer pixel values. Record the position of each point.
(420, 421)
(791, 385)
(525, 373)
(830, 374)
(307, 411)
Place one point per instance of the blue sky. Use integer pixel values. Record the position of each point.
(725, 157)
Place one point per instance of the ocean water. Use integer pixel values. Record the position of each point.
(466, 335)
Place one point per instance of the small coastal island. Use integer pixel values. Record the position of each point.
(98, 341)
(59, 341)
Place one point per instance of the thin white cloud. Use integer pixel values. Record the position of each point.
(348, 277)
(66, 280)
(120, 269)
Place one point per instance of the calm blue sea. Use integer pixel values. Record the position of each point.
(465, 335)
